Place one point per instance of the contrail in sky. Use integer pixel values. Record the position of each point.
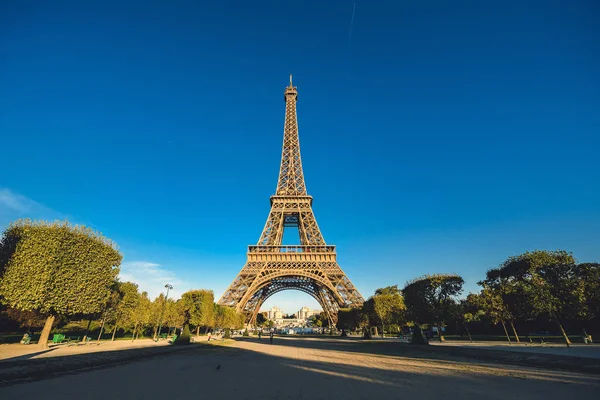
(351, 23)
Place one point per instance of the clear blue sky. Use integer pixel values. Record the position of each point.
(437, 136)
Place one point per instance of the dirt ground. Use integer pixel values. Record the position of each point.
(16, 351)
(310, 368)
(576, 349)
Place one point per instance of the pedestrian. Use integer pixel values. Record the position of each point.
(271, 338)
(209, 336)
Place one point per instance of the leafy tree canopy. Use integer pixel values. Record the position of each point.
(56, 268)
(431, 299)
(198, 307)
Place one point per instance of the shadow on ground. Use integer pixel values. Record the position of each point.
(26, 368)
(453, 353)
(26, 356)
(303, 369)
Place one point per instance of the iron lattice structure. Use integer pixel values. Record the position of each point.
(310, 267)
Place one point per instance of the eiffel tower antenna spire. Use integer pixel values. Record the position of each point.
(291, 178)
(310, 267)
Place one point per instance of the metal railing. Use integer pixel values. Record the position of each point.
(291, 249)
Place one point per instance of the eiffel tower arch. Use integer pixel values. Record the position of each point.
(311, 266)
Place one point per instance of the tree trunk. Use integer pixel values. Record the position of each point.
(505, 331)
(87, 331)
(382, 331)
(114, 332)
(512, 325)
(134, 330)
(376, 332)
(137, 336)
(102, 326)
(198, 330)
(43, 342)
(567, 341)
(468, 333)
(441, 337)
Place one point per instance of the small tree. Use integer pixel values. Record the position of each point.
(503, 300)
(348, 319)
(490, 302)
(261, 320)
(126, 306)
(386, 307)
(184, 338)
(197, 307)
(201, 308)
(587, 278)
(142, 315)
(546, 280)
(431, 299)
(56, 269)
(174, 314)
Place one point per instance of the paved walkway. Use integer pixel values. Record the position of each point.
(308, 368)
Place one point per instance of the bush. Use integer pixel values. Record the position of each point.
(184, 338)
(246, 332)
(227, 334)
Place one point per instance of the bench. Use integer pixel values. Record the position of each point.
(58, 338)
(70, 339)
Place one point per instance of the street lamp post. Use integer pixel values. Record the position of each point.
(168, 287)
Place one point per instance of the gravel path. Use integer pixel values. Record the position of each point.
(14, 352)
(308, 368)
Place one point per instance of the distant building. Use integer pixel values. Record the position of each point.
(276, 315)
(306, 313)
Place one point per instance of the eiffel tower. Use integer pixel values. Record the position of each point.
(310, 267)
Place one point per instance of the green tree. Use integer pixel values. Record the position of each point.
(490, 302)
(220, 313)
(547, 281)
(469, 311)
(185, 336)
(260, 320)
(588, 287)
(388, 290)
(227, 318)
(431, 299)
(108, 308)
(386, 307)
(174, 314)
(319, 320)
(505, 300)
(350, 319)
(126, 306)
(142, 315)
(199, 308)
(56, 269)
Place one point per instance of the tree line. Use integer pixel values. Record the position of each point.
(531, 290)
(53, 271)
